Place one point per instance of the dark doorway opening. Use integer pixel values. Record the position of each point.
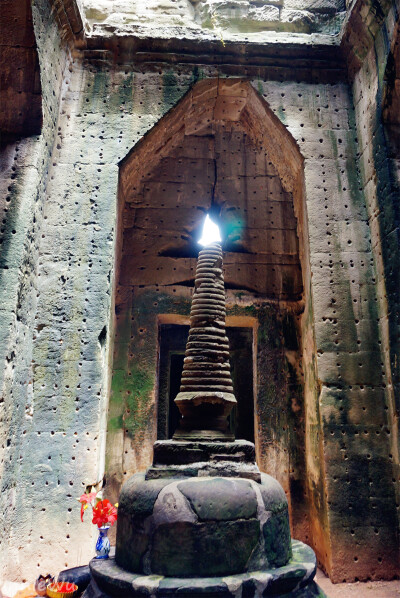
(172, 345)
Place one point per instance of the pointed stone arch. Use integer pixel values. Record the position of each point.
(160, 171)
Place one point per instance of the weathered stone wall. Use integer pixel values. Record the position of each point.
(344, 302)
(214, 151)
(57, 331)
(373, 83)
(26, 534)
(343, 292)
(57, 396)
(391, 96)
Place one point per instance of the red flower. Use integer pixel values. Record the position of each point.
(86, 500)
(104, 512)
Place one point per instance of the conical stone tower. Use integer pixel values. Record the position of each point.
(206, 394)
(203, 520)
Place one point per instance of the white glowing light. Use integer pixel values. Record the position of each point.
(211, 232)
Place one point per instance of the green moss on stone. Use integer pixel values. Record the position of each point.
(278, 546)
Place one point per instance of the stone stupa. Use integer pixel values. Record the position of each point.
(203, 520)
(206, 394)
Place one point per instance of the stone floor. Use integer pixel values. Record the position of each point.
(368, 589)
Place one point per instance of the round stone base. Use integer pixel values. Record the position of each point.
(202, 526)
(294, 580)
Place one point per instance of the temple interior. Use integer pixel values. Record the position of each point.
(123, 125)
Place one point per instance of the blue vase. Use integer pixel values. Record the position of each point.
(103, 543)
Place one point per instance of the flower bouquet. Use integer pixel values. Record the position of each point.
(104, 516)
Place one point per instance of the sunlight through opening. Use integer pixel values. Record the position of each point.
(211, 232)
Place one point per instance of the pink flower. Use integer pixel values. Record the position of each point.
(86, 500)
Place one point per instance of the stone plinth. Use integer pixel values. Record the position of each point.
(203, 520)
(194, 458)
(204, 536)
(294, 580)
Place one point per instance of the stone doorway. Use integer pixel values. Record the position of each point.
(172, 342)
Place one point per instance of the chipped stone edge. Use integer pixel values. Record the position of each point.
(232, 583)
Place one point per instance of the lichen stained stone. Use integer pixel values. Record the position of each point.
(220, 499)
(202, 526)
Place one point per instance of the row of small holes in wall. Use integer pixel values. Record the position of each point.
(329, 110)
(294, 98)
(358, 431)
(338, 331)
(50, 116)
(70, 510)
(262, 183)
(8, 197)
(206, 192)
(271, 207)
(120, 152)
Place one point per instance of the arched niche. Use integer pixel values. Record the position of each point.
(220, 149)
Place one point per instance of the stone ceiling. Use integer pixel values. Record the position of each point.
(239, 16)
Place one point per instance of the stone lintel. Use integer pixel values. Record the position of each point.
(309, 56)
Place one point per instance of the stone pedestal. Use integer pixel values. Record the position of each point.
(202, 526)
(294, 580)
(203, 521)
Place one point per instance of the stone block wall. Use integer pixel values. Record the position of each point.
(56, 381)
(58, 279)
(278, 396)
(25, 165)
(355, 423)
(375, 92)
(216, 150)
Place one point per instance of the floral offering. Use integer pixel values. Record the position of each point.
(104, 513)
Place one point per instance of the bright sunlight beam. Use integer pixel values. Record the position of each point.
(211, 232)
